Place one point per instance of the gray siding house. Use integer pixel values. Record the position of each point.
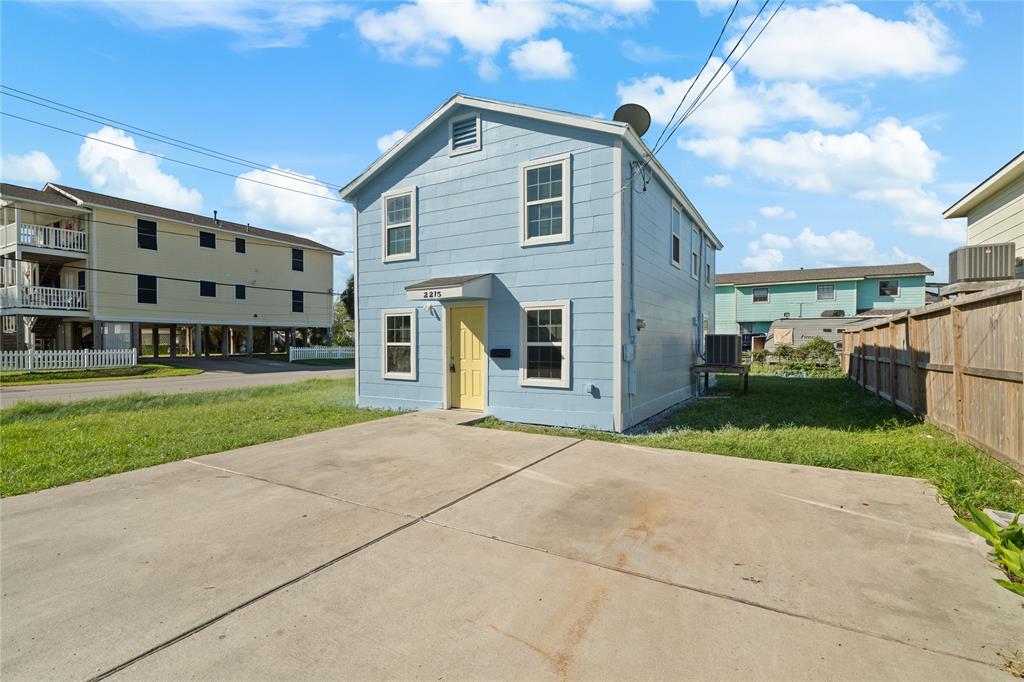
(529, 264)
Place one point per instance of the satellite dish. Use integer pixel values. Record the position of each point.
(638, 118)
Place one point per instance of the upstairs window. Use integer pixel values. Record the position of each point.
(695, 254)
(208, 288)
(207, 240)
(240, 292)
(544, 344)
(399, 361)
(464, 134)
(889, 288)
(544, 187)
(709, 262)
(399, 223)
(146, 288)
(676, 245)
(81, 280)
(297, 301)
(297, 262)
(826, 292)
(760, 294)
(146, 234)
(239, 245)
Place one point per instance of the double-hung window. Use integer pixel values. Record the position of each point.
(298, 263)
(826, 292)
(399, 357)
(146, 288)
(544, 344)
(709, 262)
(298, 301)
(207, 240)
(239, 245)
(146, 234)
(544, 188)
(399, 221)
(676, 245)
(207, 288)
(240, 292)
(760, 294)
(695, 254)
(889, 287)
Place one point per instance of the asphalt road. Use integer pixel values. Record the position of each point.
(218, 373)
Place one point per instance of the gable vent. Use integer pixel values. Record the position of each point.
(465, 135)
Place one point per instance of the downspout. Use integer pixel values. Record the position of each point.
(631, 317)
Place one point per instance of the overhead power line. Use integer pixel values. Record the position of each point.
(31, 98)
(168, 158)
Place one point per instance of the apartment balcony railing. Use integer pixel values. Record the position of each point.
(46, 237)
(43, 298)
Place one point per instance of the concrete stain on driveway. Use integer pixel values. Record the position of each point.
(412, 547)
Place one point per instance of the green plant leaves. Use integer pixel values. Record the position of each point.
(1006, 544)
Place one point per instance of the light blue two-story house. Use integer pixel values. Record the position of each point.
(748, 302)
(535, 265)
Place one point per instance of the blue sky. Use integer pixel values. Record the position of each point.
(838, 139)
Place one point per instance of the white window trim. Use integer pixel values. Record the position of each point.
(411, 375)
(673, 235)
(817, 295)
(414, 232)
(767, 300)
(566, 233)
(709, 268)
(566, 344)
(899, 286)
(451, 139)
(695, 272)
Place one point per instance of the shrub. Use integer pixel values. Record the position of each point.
(759, 356)
(818, 350)
(784, 352)
(1007, 546)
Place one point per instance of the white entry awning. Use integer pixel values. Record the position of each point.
(451, 288)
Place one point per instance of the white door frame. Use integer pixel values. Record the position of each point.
(446, 382)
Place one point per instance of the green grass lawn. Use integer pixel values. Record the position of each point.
(149, 370)
(48, 444)
(341, 364)
(828, 423)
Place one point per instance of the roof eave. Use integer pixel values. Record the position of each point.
(993, 183)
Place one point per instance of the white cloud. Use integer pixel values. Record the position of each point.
(889, 163)
(130, 174)
(947, 230)
(844, 246)
(777, 212)
(316, 217)
(734, 110)
(838, 247)
(422, 32)
(35, 166)
(386, 142)
(970, 14)
(844, 42)
(540, 59)
(644, 54)
(718, 180)
(706, 7)
(257, 23)
(763, 259)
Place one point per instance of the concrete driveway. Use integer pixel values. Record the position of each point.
(218, 373)
(413, 547)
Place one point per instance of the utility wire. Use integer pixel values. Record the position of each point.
(158, 137)
(226, 240)
(707, 60)
(167, 158)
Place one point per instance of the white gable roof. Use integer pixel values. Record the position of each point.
(615, 128)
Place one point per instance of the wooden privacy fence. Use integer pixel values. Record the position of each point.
(959, 364)
(31, 360)
(321, 353)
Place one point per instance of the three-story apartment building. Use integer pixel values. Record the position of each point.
(532, 264)
(79, 269)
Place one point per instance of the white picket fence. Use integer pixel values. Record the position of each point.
(321, 353)
(33, 360)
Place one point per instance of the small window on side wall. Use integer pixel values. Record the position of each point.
(826, 292)
(208, 289)
(545, 344)
(298, 304)
(760, 294)
(399, 225)
(207, 240)
(298, 264)
(399, 356)
(889, 287)
(240, 292)
(695, 254)
(676, 245)
(239, 245)
(146, 234)
(146, 288)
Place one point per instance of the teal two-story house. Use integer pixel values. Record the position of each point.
(748, 302)
(531, 264)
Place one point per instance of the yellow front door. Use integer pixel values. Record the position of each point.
(466, 357)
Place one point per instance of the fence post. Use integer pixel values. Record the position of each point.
(915, 371)
(958, 368)
(892, 363)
